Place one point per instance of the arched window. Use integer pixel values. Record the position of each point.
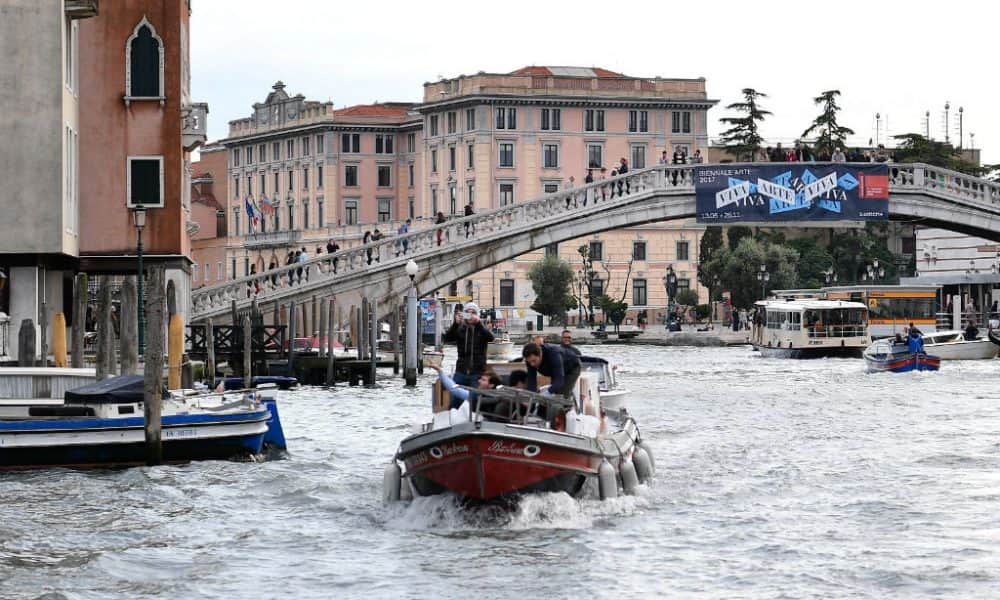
(144, 63)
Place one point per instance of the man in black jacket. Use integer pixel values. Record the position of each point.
(471, 337)
(559, 364)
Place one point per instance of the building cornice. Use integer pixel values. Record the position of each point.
(568, 101)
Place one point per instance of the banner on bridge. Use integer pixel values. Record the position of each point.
(791, 192)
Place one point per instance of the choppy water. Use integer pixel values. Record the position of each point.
(776, 479)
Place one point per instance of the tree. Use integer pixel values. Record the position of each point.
(551, 279)
(743, 138)
(711, 243)
(615, 309)
(913, 147)
(832, 135)
(814, 260)
(737, 233)
(854, 249)
(739, 267)
(687, 297)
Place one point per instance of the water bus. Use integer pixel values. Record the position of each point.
(810, 328)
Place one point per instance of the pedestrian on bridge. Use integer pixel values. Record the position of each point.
(440, 220)
(623, 169)
(333, 247)
(468, 224)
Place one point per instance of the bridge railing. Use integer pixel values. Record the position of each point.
(472, 229)
(957, 186)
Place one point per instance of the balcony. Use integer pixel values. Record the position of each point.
(195, 125)
(271, 239)
(81, 9)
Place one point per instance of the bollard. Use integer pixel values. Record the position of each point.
(153, 374)
(59, 340)
(175, 348)
(104, 331)
(79, 318)
(128, 323)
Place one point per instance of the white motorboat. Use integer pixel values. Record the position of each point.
(953, 345)
(612, 395)
(501, 348)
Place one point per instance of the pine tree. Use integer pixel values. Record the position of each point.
(832, 135)
(743, 137)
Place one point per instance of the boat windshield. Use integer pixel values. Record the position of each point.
(597, 368)
(836, 322)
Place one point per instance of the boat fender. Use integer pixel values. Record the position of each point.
(405, 490)
(649, 454)
(630, 481)
(391, 478)
(607, 483)
(643, 466)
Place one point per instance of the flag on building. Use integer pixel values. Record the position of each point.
(252, 213)
(265, 205)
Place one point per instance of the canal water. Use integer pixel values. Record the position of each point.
(776, 479)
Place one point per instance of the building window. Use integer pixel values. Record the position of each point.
(350, 143)
(384, 176)
(552, 250)
(246, 266)
(218, 270)
(550, 156)
(595, 156)
(236, 222)
(350, 212)
(262, 153)
(638, 250)
(682, 251)
(639, 292)
(263, 187)
(683, 284)
(232, 265)
(319, 176)
(596, 289)
(453, 199)
(506, 154)
(451, 158)
(434, 201)
(384, 210)
(250, 185)
(410, 174)
(276, 151)
(411, 207)
(72, 189)
(506, 118)
(305, 178)
(411, 142)
(305, 214)
(593, 120)
(470, 119)
(638, 120)
(550, 188)
(383, 144)
(501, 121)
(236, 157)
(506, 194)
(639, 156)
(470, 159)
(551, 119)
(144, 67)
(277, 184)
(320, 213)
(72, 43)
(236, 187)
(434, 161)
(320, 144)
(290, 148)
(452, 122)
(596, 251)
(470, 192)
(680, 121)
(434, 125)
(291, 181)
(291, 217)
(506, 292)
(351, 175)
(249, 152)
(145, 181)
(305, 147)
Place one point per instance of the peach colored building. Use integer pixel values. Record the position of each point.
(136, 132)
(208, 212)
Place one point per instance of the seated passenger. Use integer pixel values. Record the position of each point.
(487, 380)
(971, 332)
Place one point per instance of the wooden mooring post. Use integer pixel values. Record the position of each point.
(80, 293)
(330, 359)
(209, 374)
(104, 331)
(394, 333)
(247, 351)
(291, 338)
(373, 336)
(129, 326)
(153, 373)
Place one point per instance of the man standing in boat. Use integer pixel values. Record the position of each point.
(567, 342)
(471, 337)
(559, 364)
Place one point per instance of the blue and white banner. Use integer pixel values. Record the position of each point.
(792, 192)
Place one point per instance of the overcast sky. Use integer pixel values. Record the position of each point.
(898, 59)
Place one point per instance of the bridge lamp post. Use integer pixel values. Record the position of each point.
(670, 286)
(763, 277)
(830, 275)
(139, 220)
(410, 370)
(579, 298)
(873, 272)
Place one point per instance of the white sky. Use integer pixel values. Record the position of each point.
(895, 58)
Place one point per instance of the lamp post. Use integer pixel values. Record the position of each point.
(410, 370)
(670, 286)
(763, 277)
(873, 272)
(579, 299)
(830, 275)
(139, 220)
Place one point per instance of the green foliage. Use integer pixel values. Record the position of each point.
(686, 297)
(831, 134)
(702, 311)
(814, 260)
(915, 148)
(739, 267)
(743, 138)
(737, 233)
(711, 242)
(854, 249)
(613, 309)
(551, 279)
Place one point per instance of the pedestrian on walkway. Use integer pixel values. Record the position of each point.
(366, 241)
(440, 220)
(333, 247)
(623, 169)
(469, 227)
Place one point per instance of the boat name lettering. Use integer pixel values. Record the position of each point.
(453, 448)
(176, 433)
(499, 447)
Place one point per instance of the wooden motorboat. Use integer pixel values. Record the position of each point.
(884, 355)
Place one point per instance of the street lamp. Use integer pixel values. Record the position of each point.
(579, 298)
(763, 277)
(139, 220)
(873, 272)
(410, 371)
(670, 285)
(830, 275)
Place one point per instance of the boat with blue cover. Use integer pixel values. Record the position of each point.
(101, 425)
(884, 355)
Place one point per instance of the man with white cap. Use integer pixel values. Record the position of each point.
(471, 337)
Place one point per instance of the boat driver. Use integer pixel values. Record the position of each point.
(560, 365)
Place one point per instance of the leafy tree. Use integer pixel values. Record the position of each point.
(814, 260)
(551, 279)
(854, 249)
(686, 297)
(743, 138)
(614, 310)
(737, 233)
(913, 147)
(711, 243)
(739, 267)
(831, 134)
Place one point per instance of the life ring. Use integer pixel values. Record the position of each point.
(435, 452)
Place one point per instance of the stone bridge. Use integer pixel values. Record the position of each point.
(918, 193)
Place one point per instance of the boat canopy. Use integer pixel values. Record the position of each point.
(125, 389)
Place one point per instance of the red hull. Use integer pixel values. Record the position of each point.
(486, 467)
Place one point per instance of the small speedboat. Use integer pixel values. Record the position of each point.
(501, 348)
(883, 355)
(279, 381)
(101, 425)
(953, 345)
(500, 446)
(613, 396)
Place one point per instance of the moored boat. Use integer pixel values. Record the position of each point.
(101, 425)
(883, 355)
(613, 396)
(807, 328)
(501, 348)
(501, 448)
(953, 345)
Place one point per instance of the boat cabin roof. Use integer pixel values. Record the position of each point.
(125, 389)
(807, 304)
